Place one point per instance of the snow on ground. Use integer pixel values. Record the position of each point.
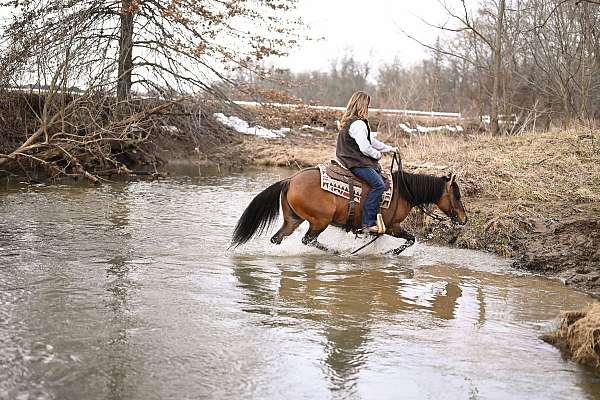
(314, 128)
(428, 129)
(241, 126)
(170, 128)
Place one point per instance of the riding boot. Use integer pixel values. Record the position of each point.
(371, 229)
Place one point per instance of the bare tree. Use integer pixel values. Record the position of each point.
(157, 45)
(494, 127)
(113, 49)
(526, 57)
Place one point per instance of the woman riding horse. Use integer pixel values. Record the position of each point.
(301, 198)
(357, 151)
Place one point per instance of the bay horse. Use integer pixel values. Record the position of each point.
(302, 199)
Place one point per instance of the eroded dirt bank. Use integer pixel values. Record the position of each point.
(535, 197)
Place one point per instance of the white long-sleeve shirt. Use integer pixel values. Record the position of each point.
(358, 131)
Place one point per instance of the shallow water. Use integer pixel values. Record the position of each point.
(128, 291)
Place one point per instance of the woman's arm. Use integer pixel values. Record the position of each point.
(358, 131)
(382, 147)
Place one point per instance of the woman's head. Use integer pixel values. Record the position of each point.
(358, 107)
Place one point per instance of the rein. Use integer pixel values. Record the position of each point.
(365, 245)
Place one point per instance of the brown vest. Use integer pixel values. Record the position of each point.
(348, 152)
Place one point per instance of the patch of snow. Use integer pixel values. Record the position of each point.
(241, 126)
(170, 128)
(314, 128)
(407, 128)
(428, 129)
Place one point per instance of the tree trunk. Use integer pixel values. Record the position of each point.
(125, 51)
(494, 126)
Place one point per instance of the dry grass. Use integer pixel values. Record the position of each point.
(513, 185)
(579, 335)
(552, 166)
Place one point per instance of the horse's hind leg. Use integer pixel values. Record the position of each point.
(288, 227)
(291, 221)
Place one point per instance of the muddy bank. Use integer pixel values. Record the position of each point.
(61, 137)
(535, 198)
(569, 249)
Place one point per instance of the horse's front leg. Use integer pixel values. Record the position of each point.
(399, 232)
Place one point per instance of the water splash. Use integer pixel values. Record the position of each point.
(334, 238)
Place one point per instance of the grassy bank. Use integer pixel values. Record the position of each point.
(518, 185)
(534, 197)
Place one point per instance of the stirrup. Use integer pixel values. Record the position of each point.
(380, 224)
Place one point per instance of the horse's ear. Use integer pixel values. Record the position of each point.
(452, 178)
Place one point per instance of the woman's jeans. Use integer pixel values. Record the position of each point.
(371, 205)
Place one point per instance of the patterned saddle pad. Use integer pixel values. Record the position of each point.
(334, 179)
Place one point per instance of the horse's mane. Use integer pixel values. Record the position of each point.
(422, 189)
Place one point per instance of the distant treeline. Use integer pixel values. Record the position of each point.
(538, 59)
(429, 85)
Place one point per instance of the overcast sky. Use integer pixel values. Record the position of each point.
(371, 29)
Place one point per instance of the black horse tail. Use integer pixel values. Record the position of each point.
(262, 211)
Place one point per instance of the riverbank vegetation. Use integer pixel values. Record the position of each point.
(577, 335)
(95, 66)
(98, 82)
(534, 197)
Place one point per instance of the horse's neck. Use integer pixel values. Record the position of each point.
(423, 189)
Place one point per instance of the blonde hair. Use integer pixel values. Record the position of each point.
(358, 107)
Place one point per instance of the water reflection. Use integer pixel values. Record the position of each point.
(343, 303)
(118, 285)
(117, 344)
(444, 304)
(348, 302)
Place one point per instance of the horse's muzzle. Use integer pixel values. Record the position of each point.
(457, 221)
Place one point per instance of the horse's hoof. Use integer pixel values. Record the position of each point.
(396, 251)
(275, 240)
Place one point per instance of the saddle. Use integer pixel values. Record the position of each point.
(342, 182)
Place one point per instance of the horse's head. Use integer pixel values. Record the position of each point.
(450, 202)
